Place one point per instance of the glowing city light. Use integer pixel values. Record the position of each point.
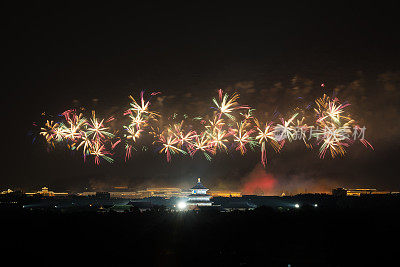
(181, 205)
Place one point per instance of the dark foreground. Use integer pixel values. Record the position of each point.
(263, 237)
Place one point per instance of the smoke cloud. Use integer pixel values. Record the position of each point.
(261, 182)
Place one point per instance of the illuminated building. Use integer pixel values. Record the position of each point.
(130, 194)
(384, 192)
(221, 193)
(358, 192)
(165, 192)
(351, 192)
(8, 191)
(45, 192)
(199, 196)
(123, 192)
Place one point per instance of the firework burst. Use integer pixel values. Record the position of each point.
(266, 135)
(232, 127)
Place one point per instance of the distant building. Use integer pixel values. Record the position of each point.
(129, 194)
(221, 193)
(358, 192)
(124, 192)
(199, 196)
(8, 191)
(165, 192)
(239, 205)
(45, 192)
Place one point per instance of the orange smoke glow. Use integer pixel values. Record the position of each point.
(259, 182)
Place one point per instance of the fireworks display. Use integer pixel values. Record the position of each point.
(228, 127)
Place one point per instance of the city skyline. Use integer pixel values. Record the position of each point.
(310, 51)
(203, 133)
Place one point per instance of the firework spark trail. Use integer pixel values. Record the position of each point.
(133, 133)
(99, 151)
(330, 109)
(113, 145)
(227, 105)
(362, 140)
(86, 144)
(201, 143)
(186, 139)
(232, 125)
(67, 114)
(140, 118)
(333, 139)
(77, 132)
(241, 136)
(285, 130)
(264, 137)
(169, 144)
(51, 132)
(301, 132)
(335, 128)
(131, 136)
(218, 140)
(143, 108)
(97, 128)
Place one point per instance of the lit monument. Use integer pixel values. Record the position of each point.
(199, 196)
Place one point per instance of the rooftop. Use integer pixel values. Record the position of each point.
(199, 185)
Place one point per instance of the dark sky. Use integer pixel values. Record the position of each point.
(60, 54)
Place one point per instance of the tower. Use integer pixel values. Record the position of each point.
(199, 196)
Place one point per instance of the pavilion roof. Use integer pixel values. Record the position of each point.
(199, 185)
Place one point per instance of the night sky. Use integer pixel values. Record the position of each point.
(66, 56)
